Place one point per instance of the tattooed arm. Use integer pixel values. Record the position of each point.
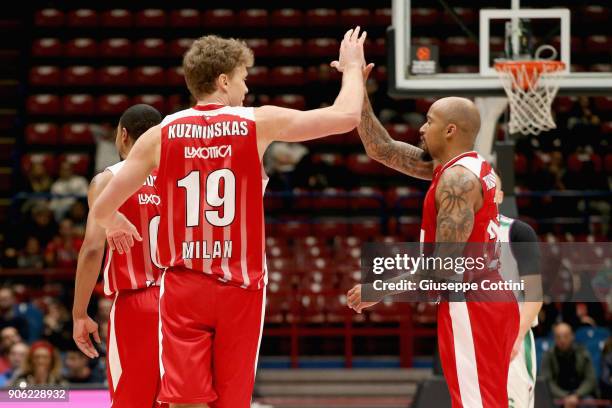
(400, 156)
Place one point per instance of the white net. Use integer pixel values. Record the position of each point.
(531, 87)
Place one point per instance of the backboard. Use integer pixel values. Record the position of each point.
(445, 47)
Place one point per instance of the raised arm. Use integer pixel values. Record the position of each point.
(290, 125)
(403, 157)
(88, 270)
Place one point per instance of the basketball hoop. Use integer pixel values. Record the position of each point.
(531, 86)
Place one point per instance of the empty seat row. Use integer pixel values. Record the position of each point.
(84, 47)
(217, 18)
(86, 104)
(51, 162)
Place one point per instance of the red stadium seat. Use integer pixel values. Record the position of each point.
(148, 76)
(258, 76)
(113, 104)
(520, 164)
(323, 73)
(367, 198)
(119, 18)
(423, 104)
(82, 18)
(355, 17)
(185, 18)
(576, 43)
(382, 17)
(43, 104)
(175, 76)
(603, 103)
(151, 18)
(330, 228)
(331, 159)
(81, 48)
(595, 14)
(116, 47)
(598, 44)
(45, 75)
(497, 44)
(322, 17)
(179, 47)
(424, 16)
(608, 163)
(426, 41)
(376, 48)
(404, 197)
(290, 101)
(80, 162)
(77, 134)
(156, 101)
(49, 17)
(79, 75)
(323, 47)
(150, 47)
(333, 199)
(404, 133)
(380, 73)
(606, 128)
(46, 159)
(176, 102)
(288, 47)
(366, 229)
(78, 104)
(47, 47)
(293, 229)
(253, 18)
(459, 46)
(287, 17)
(362, 165)
(115, 75)
(259, 46)
(288, 75)
(219, 18)
(409, 228)
(466, 15)
(41, 133)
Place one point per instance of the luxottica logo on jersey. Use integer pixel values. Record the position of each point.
(144, 199)
(213, 152)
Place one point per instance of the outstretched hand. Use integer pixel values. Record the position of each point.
(121, 234)
(353, 299)
(351, 50)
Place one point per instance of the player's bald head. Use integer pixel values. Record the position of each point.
(462, 113)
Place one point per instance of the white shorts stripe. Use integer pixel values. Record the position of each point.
(263, 315)
(243, 235)
(107, 289)
(114, 360)
(465, 355)
(160, 337)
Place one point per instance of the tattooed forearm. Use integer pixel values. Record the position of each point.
(455, 199)
(381, 147)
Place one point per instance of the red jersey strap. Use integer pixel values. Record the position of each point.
(208, 107)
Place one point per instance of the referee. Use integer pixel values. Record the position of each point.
(520, 259)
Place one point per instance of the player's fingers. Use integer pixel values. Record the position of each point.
(363, 37)
(135, 234)
(130, 240)
(355, 34)
(367, 70)
(124, 243)
(111, 243)
(347, 35)
(86, 347)
(334, 64)
(117, 243)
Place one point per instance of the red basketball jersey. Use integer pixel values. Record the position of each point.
(211, 184)
(486, 223)
(138, 268)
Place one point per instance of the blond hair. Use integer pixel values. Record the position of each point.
(210, 56)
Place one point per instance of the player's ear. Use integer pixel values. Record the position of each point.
(222, 81)
(451, 129)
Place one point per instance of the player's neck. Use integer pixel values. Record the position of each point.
(452, 153)
(213, 99)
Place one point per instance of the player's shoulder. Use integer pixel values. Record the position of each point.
(520, 231)
(178, 115)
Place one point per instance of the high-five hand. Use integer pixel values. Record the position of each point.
(351, 50)
(121, 234)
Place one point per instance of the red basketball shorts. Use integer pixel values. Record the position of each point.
(209, 340)
(133, 349)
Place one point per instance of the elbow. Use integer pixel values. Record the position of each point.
(349, 121)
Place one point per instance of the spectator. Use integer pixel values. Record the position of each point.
(63, 250)
(605, 380)
(78, 216)
(31, 256)
(281, 159)
(42, 366)
(16, 357)
(568, 369)
(67, 184)
(78, 369)
(8, 336)
(38, 179)
(106, 152)
(57, 325)
(41, 224)
(9, 315)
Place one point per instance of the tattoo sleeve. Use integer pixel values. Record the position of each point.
(400, 156)
(455, 199)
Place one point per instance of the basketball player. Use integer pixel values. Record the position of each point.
(474, 338)
(520, 259)
(132, 279)
(211, 236)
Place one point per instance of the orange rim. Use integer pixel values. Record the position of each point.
(530, 68)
